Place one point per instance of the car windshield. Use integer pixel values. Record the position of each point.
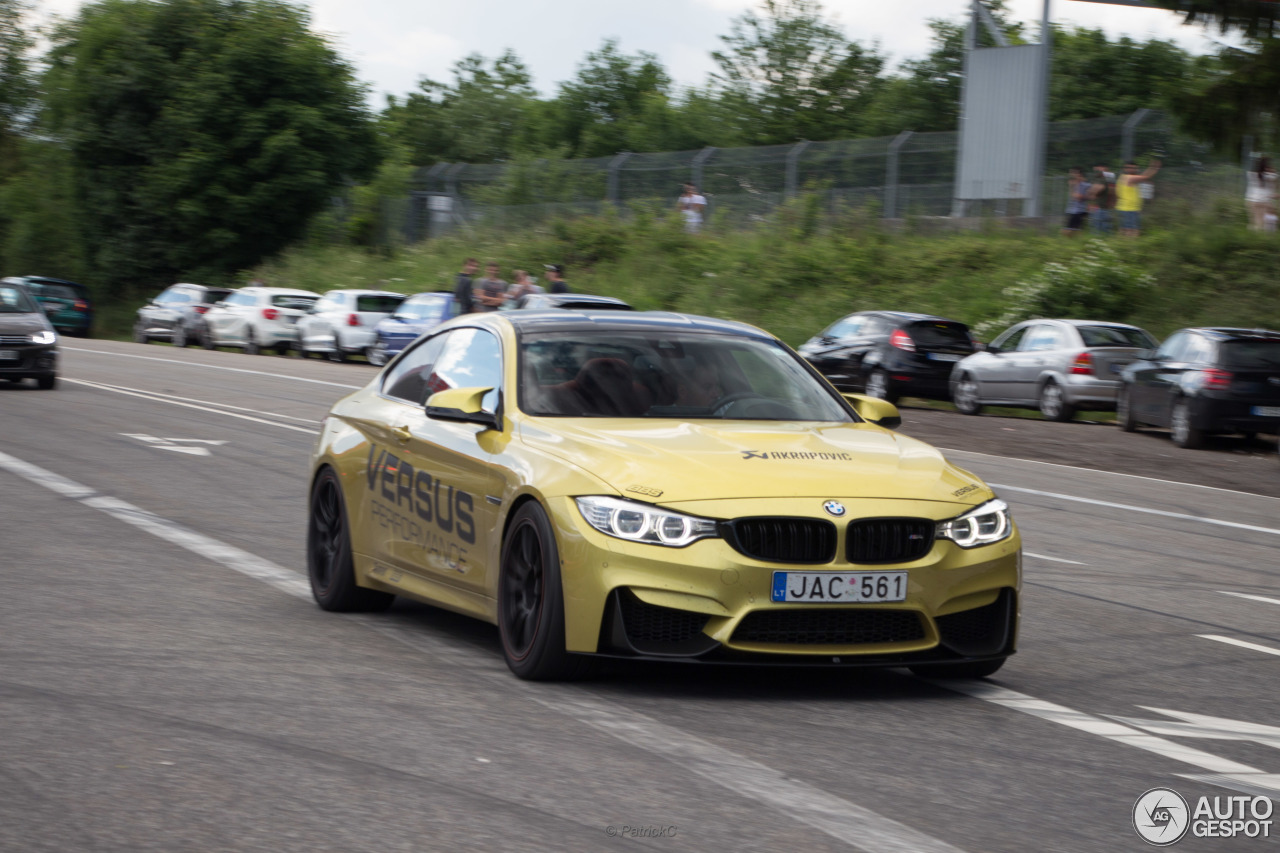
(1251, 355)
(378, 303)
(301, 303)
(14, 300)
(420, 309)
(670, 374)
(1115, 336)
(53, 290)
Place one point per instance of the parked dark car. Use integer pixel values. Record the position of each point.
(28, 343)
(177, 314)
(414, 316)
(1203, 381)
(66, 303)
(890, 354)
(568, 302)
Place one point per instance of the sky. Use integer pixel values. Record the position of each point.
(393, 43)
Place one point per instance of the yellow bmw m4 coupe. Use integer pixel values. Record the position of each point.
(658, 486)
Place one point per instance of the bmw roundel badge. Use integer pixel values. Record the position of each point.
(834, 508)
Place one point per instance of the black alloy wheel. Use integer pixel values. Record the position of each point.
(1124, 410)
(1184, 434)
(880, 386)
(531, 602)
(329, 565)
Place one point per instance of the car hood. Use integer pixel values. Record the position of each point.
(666, 461)
(22, 324)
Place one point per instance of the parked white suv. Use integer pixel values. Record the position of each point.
(344, 322)
(257, 318)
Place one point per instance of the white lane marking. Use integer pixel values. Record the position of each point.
(1053, 559)
(1110, 505)
(853, 824)
(206, 402)
(1244, 644)
(1112, 473)
(1109, 729)
(147, 395)
(177, 445)
(213, 367)
(1250, 597)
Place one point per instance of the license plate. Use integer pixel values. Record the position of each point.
(839, 587)
(1258, 411)
(944, 356)
(9, 355)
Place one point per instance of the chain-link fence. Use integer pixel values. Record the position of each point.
(908, 175)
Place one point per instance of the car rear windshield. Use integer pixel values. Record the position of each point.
(301, 303)
(56, 291)
(427, 309)
(1115, 336)
(378, 304)
(1252, 355)
(216, 294)
(657, 373)
(934, 334)
(14, 300)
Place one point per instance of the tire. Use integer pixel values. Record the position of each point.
(879, 385)
(206, 339)
(251, 346)
(377, 354)
(329, 566)
(1184, 434)
(965, 397)
(47, 383)
(977, 669)
(1053, 403)
(140, 334)
(180, 336)
(531, 602)
(336, 355)
(1124, 411)
(283, 349)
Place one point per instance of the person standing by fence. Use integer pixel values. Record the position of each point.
(555, 278)
(462, 288)
(1102, 198)
(691, 205)
(1129, 196)
(1077, 201)
(1261, 193)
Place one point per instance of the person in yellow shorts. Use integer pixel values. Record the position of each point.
(1129, 196)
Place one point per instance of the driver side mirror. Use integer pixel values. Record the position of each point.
(991, 348)
(461, 404)
(876, 411)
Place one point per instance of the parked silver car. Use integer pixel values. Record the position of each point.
(1057, 366)
(343, 322)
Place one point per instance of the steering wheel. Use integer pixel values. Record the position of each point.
(757, 405)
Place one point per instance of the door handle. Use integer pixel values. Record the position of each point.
(402, 434)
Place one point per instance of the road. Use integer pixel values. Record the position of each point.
(167, 684)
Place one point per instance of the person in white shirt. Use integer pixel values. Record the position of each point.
(1261, 194)
(691, 205)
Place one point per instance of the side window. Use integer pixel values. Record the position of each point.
(409, 379)
(471, 358)
(179, 297)
(1172, 349)
(1198, 350)
(845, 328)
(1009, 341)
(242, 299)
(1042, 338)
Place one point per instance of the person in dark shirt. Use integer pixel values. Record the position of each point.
(462, 289)
(555, 279)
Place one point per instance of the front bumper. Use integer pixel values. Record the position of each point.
(708, 602)
(34, 361)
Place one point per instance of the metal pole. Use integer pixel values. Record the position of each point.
(891, 175)
(1130, 131)
(702, 157)
(1040, 155)
(793, 167)
(615, 164)
(970, 42)
(1246, 158)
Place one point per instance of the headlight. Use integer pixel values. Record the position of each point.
(984, 525)
(640, 522)
(45, 337)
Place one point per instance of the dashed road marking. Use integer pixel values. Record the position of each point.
(213, 367)
(1244, 644)
(1053, 559)
(1262, 598)
(159, 398)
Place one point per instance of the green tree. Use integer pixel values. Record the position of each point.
(17, 86)
(204, 134)
(794, 75)
(1093, 76)
(607, 97)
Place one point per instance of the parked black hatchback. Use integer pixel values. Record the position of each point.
(890, 354)
(1203, 381)
(28, 344)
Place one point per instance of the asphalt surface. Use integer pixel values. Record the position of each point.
(166, 683)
